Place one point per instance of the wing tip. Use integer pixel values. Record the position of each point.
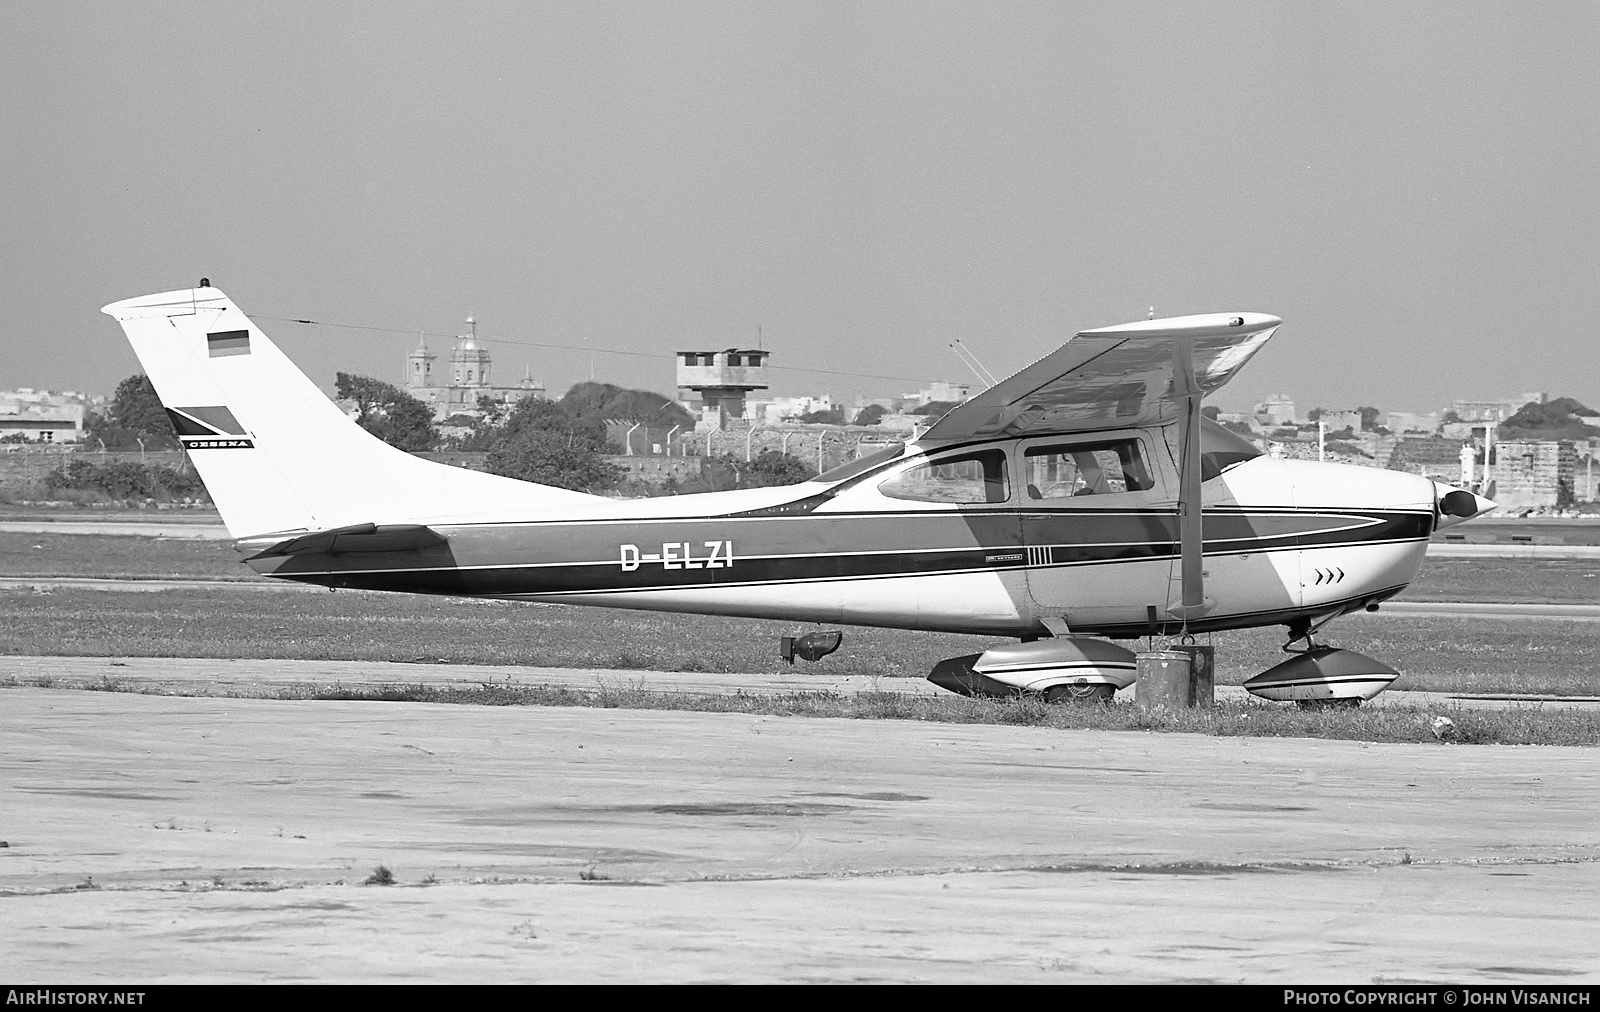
(1200, 325)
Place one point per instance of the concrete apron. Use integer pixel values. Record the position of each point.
(161, 838)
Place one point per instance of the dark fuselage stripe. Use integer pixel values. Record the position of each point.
(407, 571)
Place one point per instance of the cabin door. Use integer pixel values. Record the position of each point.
(1098, 526)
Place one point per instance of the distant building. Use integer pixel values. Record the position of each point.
(1535, 473)
(1276, 410)
(1401, 422)
(714, 384)
(948, 393)
(1497, 410)
(1339, 420)
(1483, 411)
(468, 379)
(788, 409)
(28, 415)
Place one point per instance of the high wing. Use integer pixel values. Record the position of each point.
(1114, 377)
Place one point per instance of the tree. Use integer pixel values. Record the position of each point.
(485, 426)
(593, 404)
(549, 457)
(832, 416)
(935, 409)
(1369, 419)
(1560, 413)
(769, 468)
(872, 414)
(388, 412)
(541, 442)
(1314, 414)
(773, 468)
(135, 414)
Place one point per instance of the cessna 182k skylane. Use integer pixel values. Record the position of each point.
(1058, 507)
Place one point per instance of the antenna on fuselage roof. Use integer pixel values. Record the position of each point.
(971, 361)
(1152, 315)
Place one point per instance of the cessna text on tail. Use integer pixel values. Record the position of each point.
(1083, 498)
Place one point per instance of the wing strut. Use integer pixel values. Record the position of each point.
(1191, 516)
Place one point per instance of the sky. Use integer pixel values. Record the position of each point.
(1411, 187)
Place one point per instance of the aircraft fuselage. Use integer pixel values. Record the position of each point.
(992, 538)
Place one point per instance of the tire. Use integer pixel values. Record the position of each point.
(1342, 703)
(1080, 695)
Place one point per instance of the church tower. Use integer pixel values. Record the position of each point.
(419, 366)
(469, 363)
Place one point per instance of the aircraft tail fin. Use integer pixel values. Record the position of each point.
(274, 452)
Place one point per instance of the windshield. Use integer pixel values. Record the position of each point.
(862, 464)
(1221, 448)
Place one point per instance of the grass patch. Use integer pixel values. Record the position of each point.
(1507, 581)
(1227, 719)
(119, 556)
(1446, 654)
(396, 627)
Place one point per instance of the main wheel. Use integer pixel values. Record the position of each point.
(1081, 694)
(1341, 703)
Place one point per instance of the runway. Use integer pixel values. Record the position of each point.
(196, 529)
(155, 838)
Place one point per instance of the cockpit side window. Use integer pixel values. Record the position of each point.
(1067, 470)
(976, 477)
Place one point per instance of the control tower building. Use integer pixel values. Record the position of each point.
(720, 380)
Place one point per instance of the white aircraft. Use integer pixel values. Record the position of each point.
(1082, 500)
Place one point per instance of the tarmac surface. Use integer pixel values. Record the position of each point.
(195, 529)
(163, 838)
(215, 835)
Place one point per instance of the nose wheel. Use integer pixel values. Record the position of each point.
(1318, 677)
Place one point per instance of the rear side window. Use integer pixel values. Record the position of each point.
(861, 465)
(978, 477)
(1065, 471)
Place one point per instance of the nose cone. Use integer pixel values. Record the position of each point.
(1457, 505)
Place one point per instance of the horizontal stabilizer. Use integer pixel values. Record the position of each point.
(355, 538)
